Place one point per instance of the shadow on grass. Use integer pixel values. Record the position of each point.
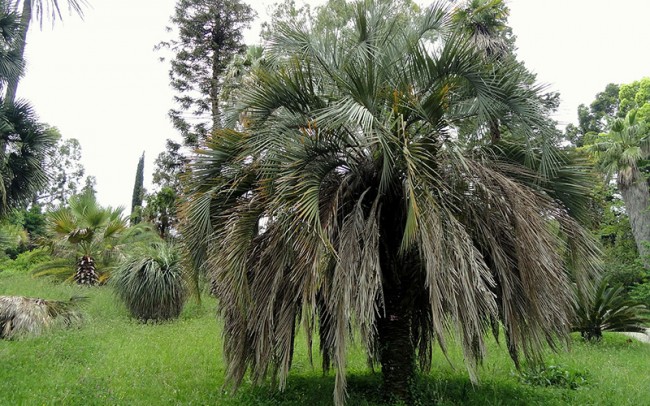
(365, 390)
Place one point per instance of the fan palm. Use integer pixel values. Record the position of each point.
(40, 9)
(621, 153)
(11, 63)
(485, 22)
(345, 199)
(87, 239)
(24, 142)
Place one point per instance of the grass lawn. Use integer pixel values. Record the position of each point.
(114, 360)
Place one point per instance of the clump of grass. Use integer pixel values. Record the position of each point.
(553, 375)
(30, 317)
(150, 283)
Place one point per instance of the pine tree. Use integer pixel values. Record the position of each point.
(209, 35)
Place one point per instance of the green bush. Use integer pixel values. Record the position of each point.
(150, 282)
(553, 375)
(25, 261)
(641, 293)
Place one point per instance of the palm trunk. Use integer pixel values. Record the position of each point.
(637, 204)
(395, 321)
(396, 346)
(21, 41)
(86, 273)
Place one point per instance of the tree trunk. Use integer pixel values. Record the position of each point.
(20, 42)
(396, 345)
(86, 274)
(395, 320)
(637, 204)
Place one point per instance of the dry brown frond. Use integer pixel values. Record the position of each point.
(30, 317)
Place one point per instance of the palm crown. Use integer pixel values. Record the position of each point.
(347, 198)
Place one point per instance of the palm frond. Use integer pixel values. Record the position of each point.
(29, 317)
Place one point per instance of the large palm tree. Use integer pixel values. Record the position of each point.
(621, 153)
(87, 239)
(345, 200)
(40, 10)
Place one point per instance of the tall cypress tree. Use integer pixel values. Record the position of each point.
(138, 192)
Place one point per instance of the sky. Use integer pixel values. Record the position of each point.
(99, 79)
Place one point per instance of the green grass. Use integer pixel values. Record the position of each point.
(115, 360)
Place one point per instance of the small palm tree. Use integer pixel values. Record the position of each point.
(151, 283)
(87, 239)
(608, 309)
(24, 316)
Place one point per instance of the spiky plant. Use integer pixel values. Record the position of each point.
(608, 309)
(25, 316)
(347, 202)
(150, 282)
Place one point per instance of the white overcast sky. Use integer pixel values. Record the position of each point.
(99, 80)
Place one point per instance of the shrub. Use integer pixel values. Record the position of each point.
(608, 309)
(28, 259)
(553, 375)
(641, 293)
(150, 282)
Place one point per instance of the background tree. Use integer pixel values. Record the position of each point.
(38, 9)
(138, 192)
(209, 34)
(66, 172)
(636, 96)
(90, 186)
(346, 199)
(597, 117)
(161, 208)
